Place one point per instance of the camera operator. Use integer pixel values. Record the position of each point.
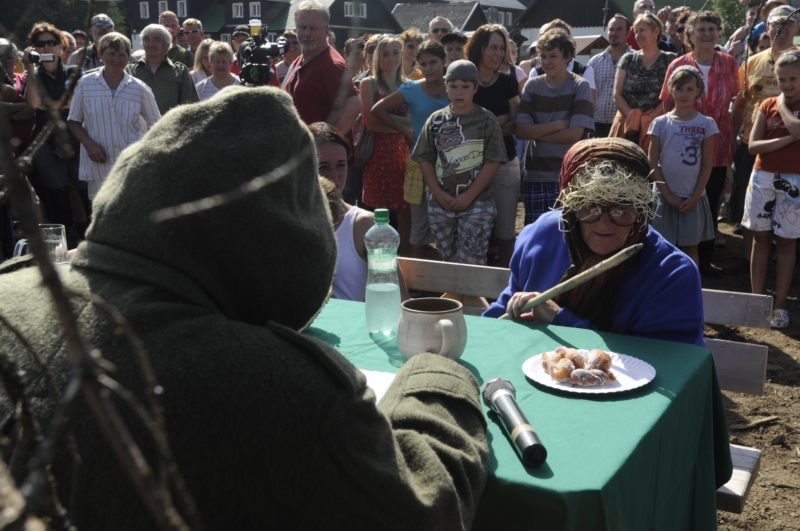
(57, 170)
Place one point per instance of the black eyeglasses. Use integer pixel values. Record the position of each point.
(440, 30)
(623, 216)
(680, 29)
(103, 24)
(294, 43)
(42, 44)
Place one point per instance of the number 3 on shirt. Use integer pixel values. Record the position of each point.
(691, 156)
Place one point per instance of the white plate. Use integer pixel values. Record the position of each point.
(631, 373)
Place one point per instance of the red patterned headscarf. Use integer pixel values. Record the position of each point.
(595, 299)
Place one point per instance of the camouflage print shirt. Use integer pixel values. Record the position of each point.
(458, 145)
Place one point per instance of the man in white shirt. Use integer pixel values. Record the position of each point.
(604, 66)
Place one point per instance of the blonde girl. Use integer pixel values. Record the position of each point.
(772, 204)
(385, 172)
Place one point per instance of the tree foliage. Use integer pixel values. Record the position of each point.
(732, 13)
(67, 15)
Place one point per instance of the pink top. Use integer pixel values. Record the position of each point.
(721, 87)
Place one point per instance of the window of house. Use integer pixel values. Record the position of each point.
(181, 8)
(255, 9)
(226, 37)
(162, 6)
(362, 10)
(348, 9)
(508, 18)
(238, 10)
(271, 36)
(144, 9)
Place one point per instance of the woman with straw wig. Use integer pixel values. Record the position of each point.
(608, 203)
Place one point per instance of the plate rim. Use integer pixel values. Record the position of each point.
(591, 390)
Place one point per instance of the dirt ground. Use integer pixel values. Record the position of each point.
(774, 501)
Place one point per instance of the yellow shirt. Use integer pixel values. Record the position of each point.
(761, 84)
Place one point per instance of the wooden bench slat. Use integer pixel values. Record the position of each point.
(741, 367)
(445, 277)
(737, 309)
(731, 497)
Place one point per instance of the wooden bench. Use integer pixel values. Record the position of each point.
(741, 367)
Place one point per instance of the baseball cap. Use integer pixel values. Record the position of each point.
(79, 32)
(241, 29)
(454, 36)
(462, 69)
(782, 12)
(533, 45)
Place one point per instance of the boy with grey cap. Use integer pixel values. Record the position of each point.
(459, 150)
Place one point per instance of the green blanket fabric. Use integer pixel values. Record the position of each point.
(270, 429)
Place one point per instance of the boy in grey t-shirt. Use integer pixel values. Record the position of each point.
(459, 150)
(555, 111)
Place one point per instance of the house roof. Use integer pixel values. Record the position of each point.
(420, 15)
(590, 13)
(584, 45)
(213, 18)
(501, 4)
(293, 7)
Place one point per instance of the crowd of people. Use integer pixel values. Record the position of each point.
(448, 131)
(450, 134)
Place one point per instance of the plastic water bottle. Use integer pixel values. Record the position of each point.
(383, 288)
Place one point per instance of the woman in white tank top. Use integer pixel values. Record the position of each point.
(350, 222)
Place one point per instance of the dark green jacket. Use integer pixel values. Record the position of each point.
(171, 83)
(271, 429)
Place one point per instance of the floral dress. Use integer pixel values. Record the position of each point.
(385, 172)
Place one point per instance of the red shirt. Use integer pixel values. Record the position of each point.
(632, 40)
(783, 160)
(314, 86)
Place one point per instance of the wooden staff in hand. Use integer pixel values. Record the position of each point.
(577, 280)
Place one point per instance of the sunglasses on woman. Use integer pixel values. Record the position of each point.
(623, 216)
(51, 43)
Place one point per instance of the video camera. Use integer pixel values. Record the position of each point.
(36, 58)
(255, 55)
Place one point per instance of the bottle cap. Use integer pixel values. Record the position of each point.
(381, 215)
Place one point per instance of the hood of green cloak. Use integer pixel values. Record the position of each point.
(269, 256)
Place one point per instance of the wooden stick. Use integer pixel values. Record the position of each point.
(577, 280)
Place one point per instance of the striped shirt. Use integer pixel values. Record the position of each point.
(113, 122)
(605, 70)
(540, 104)
(206, 88)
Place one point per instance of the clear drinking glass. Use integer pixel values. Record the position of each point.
(55, 238)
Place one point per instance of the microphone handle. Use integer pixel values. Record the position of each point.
(527, 443)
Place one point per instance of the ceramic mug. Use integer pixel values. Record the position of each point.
(432, 325)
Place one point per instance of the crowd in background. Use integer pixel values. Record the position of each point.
(704, 111)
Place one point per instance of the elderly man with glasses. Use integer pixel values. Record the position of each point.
(100, 25)
(439, 27)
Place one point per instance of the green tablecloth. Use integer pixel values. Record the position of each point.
(640, 460)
